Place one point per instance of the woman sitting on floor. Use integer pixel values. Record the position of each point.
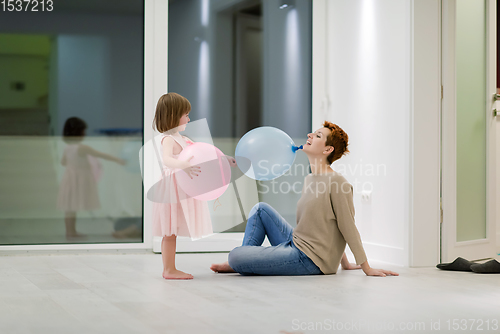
(325, 222)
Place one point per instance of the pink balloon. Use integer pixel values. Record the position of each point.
(215, 174)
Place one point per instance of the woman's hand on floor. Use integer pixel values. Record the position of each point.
(380, 272)
(369, 271)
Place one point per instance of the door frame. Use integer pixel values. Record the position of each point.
(480, 248)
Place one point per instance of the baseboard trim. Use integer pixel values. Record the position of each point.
(218, 242)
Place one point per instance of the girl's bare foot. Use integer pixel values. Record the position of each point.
(176, 274)
(222, 268)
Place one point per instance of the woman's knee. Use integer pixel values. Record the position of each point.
(259, 206)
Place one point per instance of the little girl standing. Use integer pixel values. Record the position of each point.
(181, 215)
(78, 188)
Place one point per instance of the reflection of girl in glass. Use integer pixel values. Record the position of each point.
(78, 188)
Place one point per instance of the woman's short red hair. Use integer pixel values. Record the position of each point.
(338, 139)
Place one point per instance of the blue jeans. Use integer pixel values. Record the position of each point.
(282, 258)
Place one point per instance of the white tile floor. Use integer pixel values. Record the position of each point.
(103, 293)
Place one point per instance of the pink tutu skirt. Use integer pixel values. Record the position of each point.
(174, 213)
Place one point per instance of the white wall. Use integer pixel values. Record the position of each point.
(376, 73)
(363, 69)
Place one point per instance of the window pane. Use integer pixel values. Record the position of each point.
(471, 119)
(71, 111)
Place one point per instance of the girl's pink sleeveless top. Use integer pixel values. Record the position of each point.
(181, 216)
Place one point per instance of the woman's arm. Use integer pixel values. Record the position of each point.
(343, 208)
(346, 265)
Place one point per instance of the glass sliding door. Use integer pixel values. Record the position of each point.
(468, 130)
(71, 124)
(471, 119)
(245, 64)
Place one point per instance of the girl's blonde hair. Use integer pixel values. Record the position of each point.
(169, 110)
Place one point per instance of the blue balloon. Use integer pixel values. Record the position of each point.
(265, 153)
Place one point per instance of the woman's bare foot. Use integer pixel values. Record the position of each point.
(176, 274)
(222, 268)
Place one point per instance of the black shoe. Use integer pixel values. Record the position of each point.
(490, 267)
(460, 264)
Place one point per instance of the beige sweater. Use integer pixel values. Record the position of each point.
(325, 221)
